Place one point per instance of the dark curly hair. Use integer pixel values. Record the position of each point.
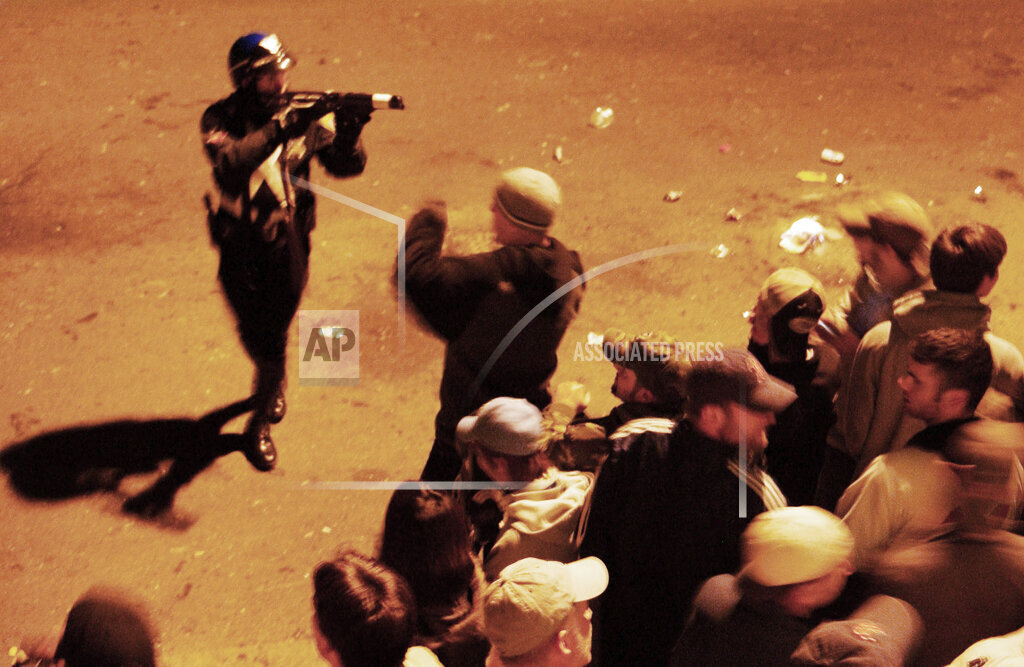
(364, 610)
(962, 358)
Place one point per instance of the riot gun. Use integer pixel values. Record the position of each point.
(302, 108)
(359, 104)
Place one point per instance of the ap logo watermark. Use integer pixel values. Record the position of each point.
(328, 347)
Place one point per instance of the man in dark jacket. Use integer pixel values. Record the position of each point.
(668, 507)
(501, 313)
(260, 218)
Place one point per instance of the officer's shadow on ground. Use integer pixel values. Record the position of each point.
(96, 458)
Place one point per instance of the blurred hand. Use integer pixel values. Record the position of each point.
(572, 394)
(434, 211)
(843, 340)
(760, 329)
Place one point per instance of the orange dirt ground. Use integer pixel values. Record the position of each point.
(114, 312)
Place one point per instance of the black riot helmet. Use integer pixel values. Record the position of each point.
(252, 53)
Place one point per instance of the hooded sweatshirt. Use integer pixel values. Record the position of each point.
(869, 408)
(540, 520)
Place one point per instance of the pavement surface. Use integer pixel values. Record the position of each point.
(117, 339)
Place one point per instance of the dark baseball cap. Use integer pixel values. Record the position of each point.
(737, 376)
(893, 219)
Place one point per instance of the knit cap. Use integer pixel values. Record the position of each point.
(530, 199)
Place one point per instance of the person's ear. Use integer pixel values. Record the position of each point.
(495, 467)
(644, 395)
(711, 418)
(988, 282)
(954, 401)
(563, 642)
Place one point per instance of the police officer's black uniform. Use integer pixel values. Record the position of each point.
(261, 218)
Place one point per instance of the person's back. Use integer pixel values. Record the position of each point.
(965, 588)
(669, 507)
(541, 520)
(748, 633)
(879, 424)
(969, 584)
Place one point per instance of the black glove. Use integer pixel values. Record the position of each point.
(349, 123)
(433, 213)
(297, 120)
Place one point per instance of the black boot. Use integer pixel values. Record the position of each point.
(259, 446)
(268, 390)
(278, 407)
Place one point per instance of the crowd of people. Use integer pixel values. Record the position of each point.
(847, 489)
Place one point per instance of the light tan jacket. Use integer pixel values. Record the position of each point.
(869, 407)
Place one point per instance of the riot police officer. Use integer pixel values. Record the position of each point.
(260, 219)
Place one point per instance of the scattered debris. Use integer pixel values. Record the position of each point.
(672, 196)
(812, 176)
(720, 251)
(802, 235)
(831, 156)
(601, 117)
(733, 214)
